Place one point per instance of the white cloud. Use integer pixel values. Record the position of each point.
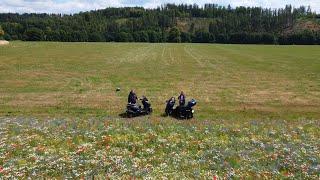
(72, 6)
(51, 6)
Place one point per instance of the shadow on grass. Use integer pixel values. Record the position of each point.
(123, 115)
(164, 115)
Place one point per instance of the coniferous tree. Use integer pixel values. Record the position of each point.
(174, 35)
(34, 34)
(168, 23)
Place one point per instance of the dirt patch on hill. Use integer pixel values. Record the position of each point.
(2, 43)
(303, 25)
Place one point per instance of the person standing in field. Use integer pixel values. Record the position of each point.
(182, 99)
(132, 98)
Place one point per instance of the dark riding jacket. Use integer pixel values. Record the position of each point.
(182, 99)
(132, 98)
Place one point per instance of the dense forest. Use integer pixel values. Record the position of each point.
(169, 23)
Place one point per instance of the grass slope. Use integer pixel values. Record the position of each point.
(229, 81)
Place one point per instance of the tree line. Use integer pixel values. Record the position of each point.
(210, 23)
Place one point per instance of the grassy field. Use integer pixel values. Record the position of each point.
(257, 117)
(228, 81)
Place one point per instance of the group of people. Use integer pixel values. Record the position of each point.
(132, 98)
(182, 111)
(181, 98)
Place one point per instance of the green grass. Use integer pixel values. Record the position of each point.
(229, 81)
(257, 115)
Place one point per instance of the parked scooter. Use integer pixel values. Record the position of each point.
(134, 110)
(181, 112)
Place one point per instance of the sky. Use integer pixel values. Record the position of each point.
(74, 6)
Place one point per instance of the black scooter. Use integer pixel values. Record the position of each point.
(134, 110)
(180, 112)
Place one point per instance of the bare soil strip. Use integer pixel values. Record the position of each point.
(2, 42)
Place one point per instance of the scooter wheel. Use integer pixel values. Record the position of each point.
(191, 116)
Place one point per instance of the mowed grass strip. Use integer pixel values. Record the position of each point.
(228, 81)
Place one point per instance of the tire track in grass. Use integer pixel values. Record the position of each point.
(188, 51)
(166, 56)
(171, 57)
(216, 69)
(150, 52)
(238, 52)
(136, 55)
(163, 55)
(201, 60)
(116, 57)
(163, 50)
(179, 54)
